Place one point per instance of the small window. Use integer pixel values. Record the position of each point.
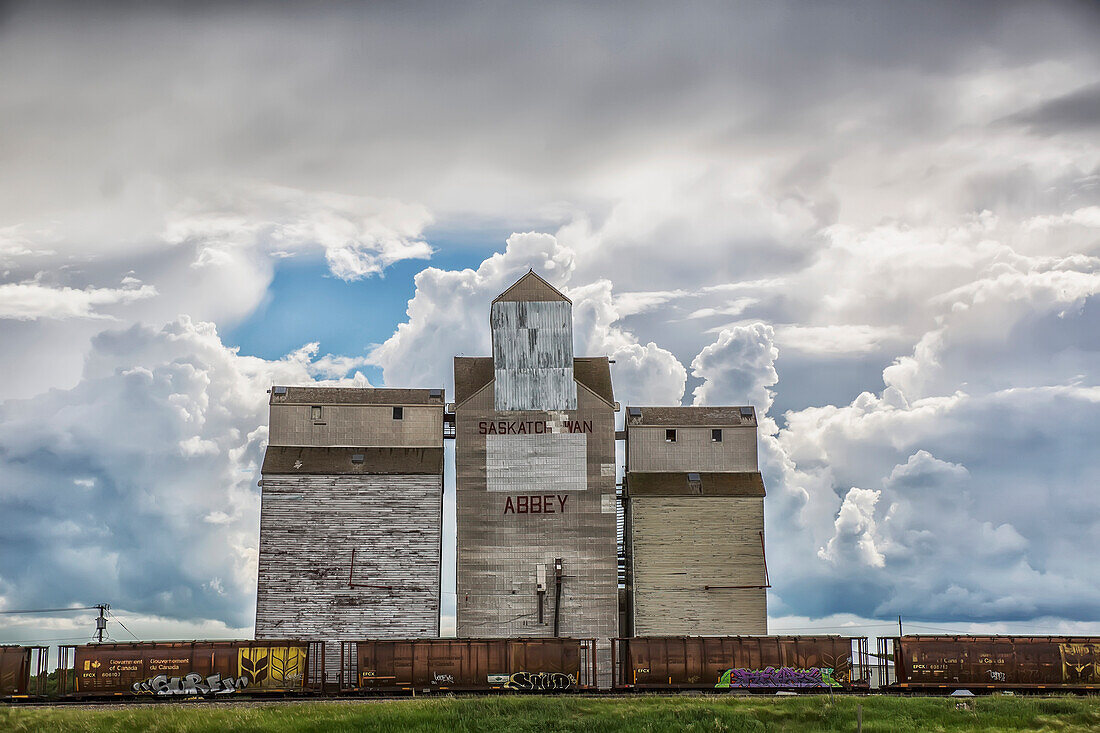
(716, 436)
(399, 413)
(315, 412)
(670, 436)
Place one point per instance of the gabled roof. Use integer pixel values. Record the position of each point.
(474, 372)
(530, 289)
(718, 417)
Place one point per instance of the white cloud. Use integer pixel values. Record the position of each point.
(738, 368)
(28, 301)
(165, 434)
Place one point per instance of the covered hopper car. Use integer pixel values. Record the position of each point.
(989, 663)
(741, 663)
(22, 671)
(191, 668)
(428, 665)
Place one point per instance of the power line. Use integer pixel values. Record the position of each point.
(131, 633)
(51, 610)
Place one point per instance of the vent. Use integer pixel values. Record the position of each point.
(634, 411)
(435, 394)
(358, 457)
(279, 390)
(694, 478)
(746, 412)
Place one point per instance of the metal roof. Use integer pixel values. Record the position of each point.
(690, 416)
(532, 289)
(318, 395)
(746, 483)
(474, 372)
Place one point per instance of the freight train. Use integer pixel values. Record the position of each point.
(765, 664)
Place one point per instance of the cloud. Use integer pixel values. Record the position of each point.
(28, 301)
(1078, 110)
(137, 486)
(448, 315)
(738, 368)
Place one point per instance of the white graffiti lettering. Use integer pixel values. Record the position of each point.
(190, 684)
(538, 681)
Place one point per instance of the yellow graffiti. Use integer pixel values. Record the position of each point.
(1079, 663)
(272, 666)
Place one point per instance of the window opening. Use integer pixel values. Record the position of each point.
(315, 412)
(399, 413)
(716, 436)
(670, 436)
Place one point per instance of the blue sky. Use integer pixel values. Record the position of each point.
(885, 236)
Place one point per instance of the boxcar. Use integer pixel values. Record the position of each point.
(191, 668)
(428, 665)
(993, 662)
(741, 663)
(22, 671)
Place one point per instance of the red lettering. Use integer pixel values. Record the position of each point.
(540, 428)
(522, 428)
(548, 504)
(502, 427)
(536, 505)
(561, 500)
(508, 508)
(492, 428)
(522, 504)
(482, 428)
(587, 426)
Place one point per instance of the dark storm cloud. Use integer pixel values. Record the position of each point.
(1077, 111)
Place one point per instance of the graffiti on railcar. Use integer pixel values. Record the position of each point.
(272, 667)
(1080, 662)
(539, 681)
(778, 677)
(191, 683)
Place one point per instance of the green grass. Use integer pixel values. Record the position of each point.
(636, 715)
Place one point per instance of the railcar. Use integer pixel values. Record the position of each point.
(22, 671)
(471, 665)
(727, 663)
(191, 668)
(943, 663)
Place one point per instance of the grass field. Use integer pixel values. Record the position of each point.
(636, 715)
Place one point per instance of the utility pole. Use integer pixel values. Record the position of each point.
(101, 622)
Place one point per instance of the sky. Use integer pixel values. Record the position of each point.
(879, 223)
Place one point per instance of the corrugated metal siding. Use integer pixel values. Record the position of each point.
(681, 544)
(357, 425)
(308, 527)
(647, 450)
(533, 356)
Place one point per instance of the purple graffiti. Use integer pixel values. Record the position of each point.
(781, 677)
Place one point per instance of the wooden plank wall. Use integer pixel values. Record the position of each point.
(680, 545)
(308, 527)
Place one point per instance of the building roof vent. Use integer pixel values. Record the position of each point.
(435, 394)
(746, 412)
(694, 477)
(634, 411)
(279, 390)
(358, 457)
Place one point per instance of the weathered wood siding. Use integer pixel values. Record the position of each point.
(681, 544)
(500, 551)
(357, 425)
(647, 449)
(308, 527)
